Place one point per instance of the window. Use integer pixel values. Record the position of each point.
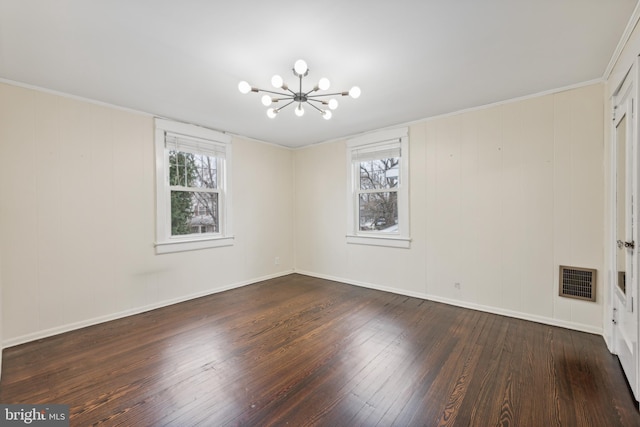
(193, 187)
(379, 189)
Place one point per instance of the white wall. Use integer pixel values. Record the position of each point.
(500, 197)
(77, 217)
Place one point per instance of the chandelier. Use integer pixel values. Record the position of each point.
(318, 101)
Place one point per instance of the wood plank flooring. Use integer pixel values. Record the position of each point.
(298, 351)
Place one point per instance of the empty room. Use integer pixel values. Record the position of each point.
(345, 213)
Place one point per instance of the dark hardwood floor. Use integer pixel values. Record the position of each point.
(298, 351)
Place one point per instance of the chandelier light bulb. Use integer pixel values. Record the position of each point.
(333, 104)
(266, 100)
(354, 92)
(244, 87)
(277, 81)
(299, 110)
(271, 113)
(326, 114)
(324, 83)
(300, 67)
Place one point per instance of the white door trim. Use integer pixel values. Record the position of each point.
(620, 309)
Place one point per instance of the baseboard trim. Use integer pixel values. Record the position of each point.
(463, 304)
(119, 315)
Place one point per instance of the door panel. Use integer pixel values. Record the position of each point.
(625, 277)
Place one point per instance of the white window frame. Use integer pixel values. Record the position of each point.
(165, 242)
(378, 140)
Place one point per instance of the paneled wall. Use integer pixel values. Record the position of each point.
(500, 197)
(77, 216)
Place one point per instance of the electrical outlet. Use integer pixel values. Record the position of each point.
(276, 261)
(457, 285)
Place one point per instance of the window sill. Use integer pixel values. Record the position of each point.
(377, 240)
(192, 244)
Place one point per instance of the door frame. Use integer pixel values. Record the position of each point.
(610, 330)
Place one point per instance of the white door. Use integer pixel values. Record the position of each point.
(624, 298)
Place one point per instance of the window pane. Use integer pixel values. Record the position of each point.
(176, 168)
(379, 174)
(379, 211)
(194, 212)
(206, 173)
(192, 170)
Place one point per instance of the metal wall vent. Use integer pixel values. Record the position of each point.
(577, 282)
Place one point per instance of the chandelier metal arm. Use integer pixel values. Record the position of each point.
(328, 94)
(284, 98)
(288, 103)
(321, 101)
(321, 111)
(274, 92)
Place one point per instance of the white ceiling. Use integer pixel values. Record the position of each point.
(412, 59)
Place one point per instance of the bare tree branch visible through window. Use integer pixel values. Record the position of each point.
(379, 209)
(207, 203)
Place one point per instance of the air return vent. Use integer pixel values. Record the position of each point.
(577, 282)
